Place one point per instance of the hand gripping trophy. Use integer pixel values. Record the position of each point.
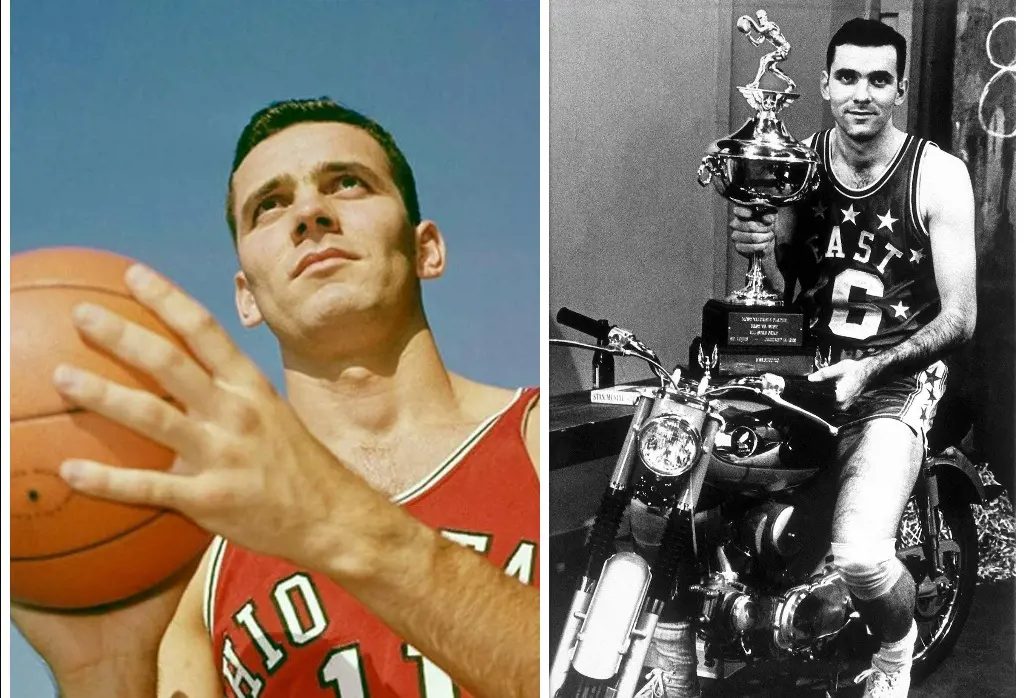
(759, 166)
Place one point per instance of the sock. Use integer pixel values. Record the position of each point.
(893, 656)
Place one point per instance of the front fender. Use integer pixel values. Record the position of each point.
(959, 482)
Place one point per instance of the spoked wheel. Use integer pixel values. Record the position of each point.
(943, 599)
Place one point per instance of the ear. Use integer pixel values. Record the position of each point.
(901, 90)
(430, 251)
(823, 85)
(245, 302)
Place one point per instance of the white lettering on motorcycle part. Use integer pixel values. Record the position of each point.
(244, 684)
(299, 586)
(272, 653)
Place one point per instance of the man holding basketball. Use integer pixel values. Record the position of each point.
(346, 512)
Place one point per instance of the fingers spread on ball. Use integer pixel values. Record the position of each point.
(139, 410)
(171, 367)
(193, 323)
(129, 485)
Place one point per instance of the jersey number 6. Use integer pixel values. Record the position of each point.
(842, 289)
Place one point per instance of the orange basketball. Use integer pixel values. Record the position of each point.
(69, 550)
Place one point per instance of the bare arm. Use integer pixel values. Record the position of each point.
(186, 666)
(948, 203)
(475, 622)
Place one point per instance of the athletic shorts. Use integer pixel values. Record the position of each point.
(911, 399)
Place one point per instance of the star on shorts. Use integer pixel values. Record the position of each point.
(900, 310)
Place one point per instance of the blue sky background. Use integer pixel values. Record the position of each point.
(124, 116)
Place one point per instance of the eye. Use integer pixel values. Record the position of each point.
(348, 183)
(267, 204)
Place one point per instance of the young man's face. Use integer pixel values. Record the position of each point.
(862, 89)
(326, 189)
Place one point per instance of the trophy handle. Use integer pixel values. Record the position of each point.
(710, 166)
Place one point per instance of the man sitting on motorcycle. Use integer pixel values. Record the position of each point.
(884, 256)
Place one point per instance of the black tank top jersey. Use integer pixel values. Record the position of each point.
(864, 256)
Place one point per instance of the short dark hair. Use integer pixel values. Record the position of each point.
(278, 116)
(868, 32)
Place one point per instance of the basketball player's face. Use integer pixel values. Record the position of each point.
(862, 89)
(324, 240)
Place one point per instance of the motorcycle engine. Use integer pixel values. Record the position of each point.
(811, 612)
(796, 622)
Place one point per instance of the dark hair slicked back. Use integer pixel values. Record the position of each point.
(278, 116)
(868, 32)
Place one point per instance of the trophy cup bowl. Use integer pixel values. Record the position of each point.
(760, 166)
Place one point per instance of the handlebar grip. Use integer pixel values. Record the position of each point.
(581, 323)
(818, 397)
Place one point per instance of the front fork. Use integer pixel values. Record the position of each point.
(611, 621)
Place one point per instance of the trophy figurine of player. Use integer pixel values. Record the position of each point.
(762, 167)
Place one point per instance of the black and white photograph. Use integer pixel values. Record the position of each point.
(781, 348)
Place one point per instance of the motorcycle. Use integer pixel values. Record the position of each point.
(724, 488)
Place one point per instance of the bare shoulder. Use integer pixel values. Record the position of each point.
(481, 400)
(945, 186)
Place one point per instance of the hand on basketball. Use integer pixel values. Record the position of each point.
(850, 376)
(247, 467)
(751, 231)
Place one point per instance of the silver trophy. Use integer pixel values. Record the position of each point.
(761, 165)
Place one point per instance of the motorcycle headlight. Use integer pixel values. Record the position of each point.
(668, 445)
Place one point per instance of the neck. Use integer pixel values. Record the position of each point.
(866, 154)
(370, 394)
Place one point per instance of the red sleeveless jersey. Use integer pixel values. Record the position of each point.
(278, 630)
(864, 256)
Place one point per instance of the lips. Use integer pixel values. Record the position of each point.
(320, 256)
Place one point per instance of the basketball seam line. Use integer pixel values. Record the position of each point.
(91, 546)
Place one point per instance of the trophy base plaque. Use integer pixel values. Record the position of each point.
(788, 365)
(754, 339)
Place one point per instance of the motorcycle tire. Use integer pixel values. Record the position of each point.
(940, 611)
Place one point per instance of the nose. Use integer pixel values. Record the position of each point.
(861, 93)
(314, 215)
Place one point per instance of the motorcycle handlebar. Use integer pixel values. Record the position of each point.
(581, 323)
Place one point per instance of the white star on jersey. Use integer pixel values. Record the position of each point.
(850, 215)
(819, 210)
(900, 310)
(886, 221)
(916, 255)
